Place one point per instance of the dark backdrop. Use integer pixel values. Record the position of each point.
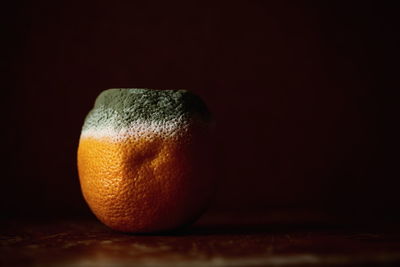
(300, 92)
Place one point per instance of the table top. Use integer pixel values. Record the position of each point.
(218, 239)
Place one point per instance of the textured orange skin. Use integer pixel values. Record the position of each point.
(145, 185)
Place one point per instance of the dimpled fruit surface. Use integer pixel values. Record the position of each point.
(144, 159)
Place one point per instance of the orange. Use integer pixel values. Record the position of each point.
(144, 159)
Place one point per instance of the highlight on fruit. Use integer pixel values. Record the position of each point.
(145, 159)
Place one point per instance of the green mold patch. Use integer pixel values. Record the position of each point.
(123, 108)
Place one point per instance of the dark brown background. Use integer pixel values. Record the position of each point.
(301, 92)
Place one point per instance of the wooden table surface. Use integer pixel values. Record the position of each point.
(220, 239)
